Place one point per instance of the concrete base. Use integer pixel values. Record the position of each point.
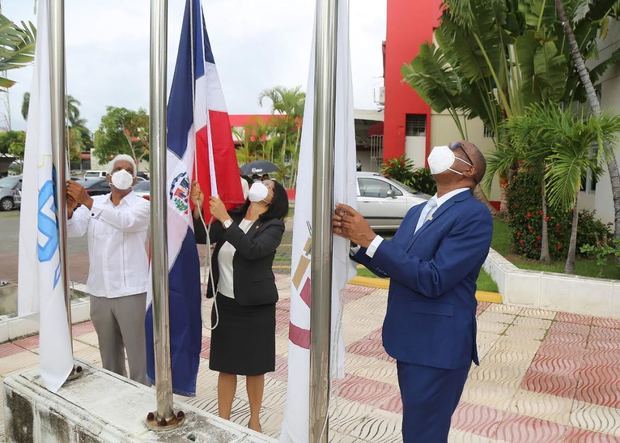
(556, 292)
(102, 407)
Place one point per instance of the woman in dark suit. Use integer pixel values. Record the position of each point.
(243, 343)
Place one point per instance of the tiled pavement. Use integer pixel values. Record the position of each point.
(544, 376)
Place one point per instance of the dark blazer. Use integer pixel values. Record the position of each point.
(253, 279)
(431, 312)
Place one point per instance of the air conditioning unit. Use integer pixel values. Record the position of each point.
(380, 95)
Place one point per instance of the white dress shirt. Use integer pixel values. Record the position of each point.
(225, 285)
(427, 214)
(117, 237)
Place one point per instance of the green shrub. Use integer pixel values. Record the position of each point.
(592, 231)
(525, 220)
(422, 181)
(401, 169)
(602, 251)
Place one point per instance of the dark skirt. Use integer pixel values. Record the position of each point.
(244, 342)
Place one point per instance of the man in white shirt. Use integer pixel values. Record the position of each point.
(117, 226)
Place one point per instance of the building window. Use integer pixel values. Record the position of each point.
(488, 131)
(416, 125)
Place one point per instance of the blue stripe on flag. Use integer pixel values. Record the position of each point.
(185, 320)
(180, 104)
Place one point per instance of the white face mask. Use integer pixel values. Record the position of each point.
(441, 160)
(122, 180)
(258, 192)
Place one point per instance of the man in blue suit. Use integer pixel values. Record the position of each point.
(433, 262)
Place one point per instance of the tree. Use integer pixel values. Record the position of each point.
(25, 105)
(17, 44)
(122, 131)
(493, 58)
(13, 142)
(522, 145)
(565, 145)
(78, 136)
(598, 10)
(289, 104)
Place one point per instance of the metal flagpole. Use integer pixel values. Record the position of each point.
(322, 208)
(58, 112)
(164, 417)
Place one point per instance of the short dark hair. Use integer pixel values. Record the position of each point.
(278, 208)
(248, 180)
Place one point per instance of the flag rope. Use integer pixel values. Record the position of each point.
(207, 227)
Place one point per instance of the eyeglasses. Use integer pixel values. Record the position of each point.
(457, 145)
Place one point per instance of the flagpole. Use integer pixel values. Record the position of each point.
(58, 119)
(164, 417)
(322, 207)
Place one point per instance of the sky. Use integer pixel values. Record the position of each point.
(257, 44)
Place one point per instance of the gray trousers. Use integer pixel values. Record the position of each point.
(119, 323)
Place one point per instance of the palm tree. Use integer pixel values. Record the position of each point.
(493, 58)
(25, 105)
(17, 44)
(288, 103)
(73, 110)
(604, 8)
(578, 146)
(523, 146)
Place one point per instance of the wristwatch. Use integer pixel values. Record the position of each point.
(227, 223)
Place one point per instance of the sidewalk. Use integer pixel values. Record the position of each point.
(544, 376)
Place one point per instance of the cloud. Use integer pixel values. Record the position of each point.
(256, 44)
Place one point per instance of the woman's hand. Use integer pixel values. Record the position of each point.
(196, 195)
(218, 210)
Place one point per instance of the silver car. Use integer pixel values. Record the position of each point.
(384, 201)
(10, 192)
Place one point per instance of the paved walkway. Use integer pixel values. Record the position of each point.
(544, 376)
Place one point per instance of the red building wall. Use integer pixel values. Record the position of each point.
(409, 24)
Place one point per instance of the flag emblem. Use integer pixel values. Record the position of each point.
(179, 191)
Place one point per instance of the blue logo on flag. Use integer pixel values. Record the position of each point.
(48, 227)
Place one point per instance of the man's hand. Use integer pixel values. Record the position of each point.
(350, 224)
(79, 194)
(71, 205)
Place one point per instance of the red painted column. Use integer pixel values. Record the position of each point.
(409, 24)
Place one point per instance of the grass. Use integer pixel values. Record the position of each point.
(484, 280)
(485, 283)
(583, 266)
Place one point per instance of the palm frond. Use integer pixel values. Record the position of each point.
(17, 45)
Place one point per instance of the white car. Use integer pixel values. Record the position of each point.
(384, 202)
(10, 192)
(93, 175)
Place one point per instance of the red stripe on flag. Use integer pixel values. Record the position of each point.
(226, 167)
(299, 336)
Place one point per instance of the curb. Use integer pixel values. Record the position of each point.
(384, 283)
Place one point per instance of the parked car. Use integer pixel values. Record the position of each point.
(143, 189)
(93, 175)
(96, 186)
(10, 192)
(384, 201)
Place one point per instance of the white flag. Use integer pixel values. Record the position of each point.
(296, 419)
(41, 289)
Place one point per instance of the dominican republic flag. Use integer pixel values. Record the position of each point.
(199, 139)
(40, 289)
(295, 427)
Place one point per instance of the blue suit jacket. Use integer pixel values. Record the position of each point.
(431, 312)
